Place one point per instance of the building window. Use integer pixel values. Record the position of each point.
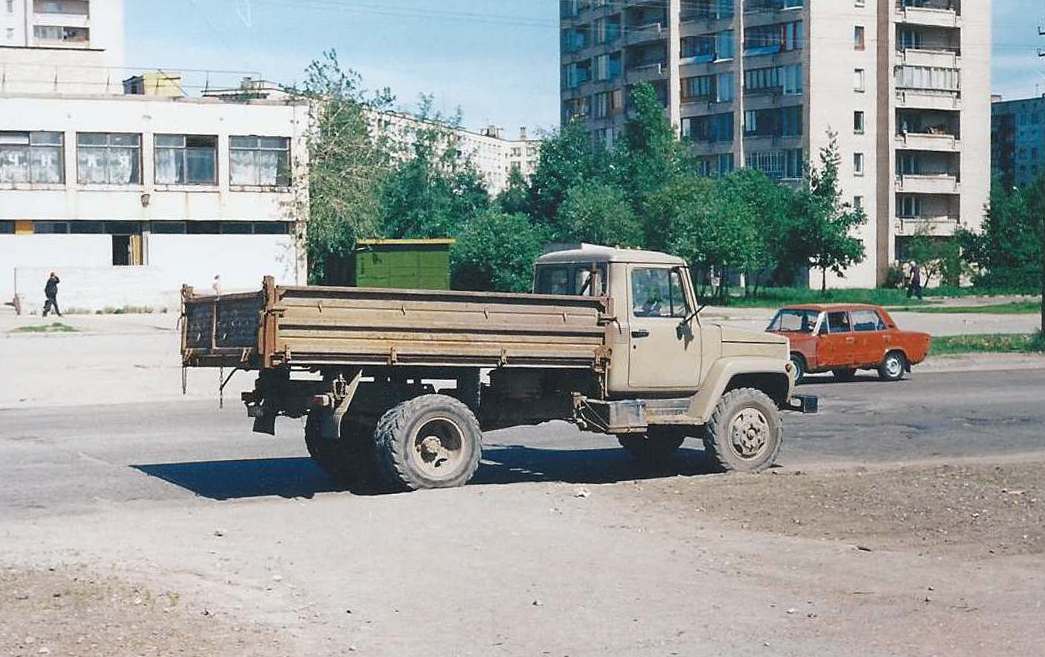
(31, 157)
(858, 164)
(858, 79)
(60, 34)
(50, 227)
(259, 161)
(858, 122)
(108, 159)
(858, 202)
(186, 160)
(858, 38)
(10, 6)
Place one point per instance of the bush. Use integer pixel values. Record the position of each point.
(496, 251)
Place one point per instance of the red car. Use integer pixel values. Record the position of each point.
(844, 338)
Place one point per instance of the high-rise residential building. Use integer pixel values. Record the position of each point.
(904, 84)
(72, 46)
(1018, 140)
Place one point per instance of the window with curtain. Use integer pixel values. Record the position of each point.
(186, 159)
(259, 161)
(108, 159)
(32, 157)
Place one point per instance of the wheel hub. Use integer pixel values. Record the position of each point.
(749, 433)
(439, 447)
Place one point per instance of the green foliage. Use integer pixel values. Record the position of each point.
(819, 233)
(776, 297)
(347, 161)
(515, 198)
(496, 251)
(1011, 308)
(433, 191)
(939, 257)
(54, 327)
(598, 212)
(991, 343)
(567, 159)
(1007, 252)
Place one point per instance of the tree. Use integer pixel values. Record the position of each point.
(1005, 251)
(567, 159)
(761, 206)
(347, 162)
(433, 191)
(496, 251)
(648, 157)
(938, 256)
(515, 198)
(598, 212)
(819, 234)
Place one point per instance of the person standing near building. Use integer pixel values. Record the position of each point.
(51, 292)
(914, 286)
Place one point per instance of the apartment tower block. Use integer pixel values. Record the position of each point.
(904, 84)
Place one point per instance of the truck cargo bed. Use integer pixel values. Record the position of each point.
(336, 326)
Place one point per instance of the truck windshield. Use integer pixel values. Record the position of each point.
(790, 320)
(571, 279)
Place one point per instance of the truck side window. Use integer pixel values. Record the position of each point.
(657, 292)
(553, 280)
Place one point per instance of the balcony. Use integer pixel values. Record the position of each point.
(647, 72)
(941, 225)
(928, 99)
(937, 142)
(930, 183)
(933, 13)
(941, 58)
(634, 36)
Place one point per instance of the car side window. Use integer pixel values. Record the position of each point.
(838, 322)
(657, 292)
(866, 321)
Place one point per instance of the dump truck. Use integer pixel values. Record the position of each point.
(400, 384)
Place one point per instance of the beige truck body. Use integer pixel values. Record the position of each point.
(598, 354)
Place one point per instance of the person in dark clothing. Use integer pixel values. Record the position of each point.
(914, 287)
(51, 291)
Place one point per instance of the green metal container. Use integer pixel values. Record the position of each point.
(403, 264)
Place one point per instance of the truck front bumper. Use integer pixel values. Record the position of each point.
(804, 404)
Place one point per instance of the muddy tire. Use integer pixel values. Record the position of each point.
(847, 374)
(800, 367)
(745, 431)
(893, 367)
(653, 447)
(432, 441)
(348, 460)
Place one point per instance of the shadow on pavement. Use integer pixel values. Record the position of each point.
(502, 464)
(227, 480)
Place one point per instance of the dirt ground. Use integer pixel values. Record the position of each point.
(929, 559)
(71, 611)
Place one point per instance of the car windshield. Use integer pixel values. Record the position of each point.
(792, 320)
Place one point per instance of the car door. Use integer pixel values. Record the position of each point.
(837, 344)
(869, 331)
(661, 357)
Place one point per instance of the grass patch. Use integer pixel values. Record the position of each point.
(1013, 308)
(55, 327)
(776, 297)
(990, 343)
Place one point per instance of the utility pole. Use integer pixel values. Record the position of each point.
(1041, 201)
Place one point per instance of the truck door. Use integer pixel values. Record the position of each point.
(660, 358)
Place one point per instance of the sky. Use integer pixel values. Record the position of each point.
(495, 60)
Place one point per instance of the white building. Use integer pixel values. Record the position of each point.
(129, 197)
(494, 156)
(905, 84)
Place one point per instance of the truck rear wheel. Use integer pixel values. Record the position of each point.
(745, 432)
(656, 446)
(346, 460)
(432, 441)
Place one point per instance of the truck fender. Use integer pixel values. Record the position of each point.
(767, 374)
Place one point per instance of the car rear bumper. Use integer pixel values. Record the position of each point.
(804, 404)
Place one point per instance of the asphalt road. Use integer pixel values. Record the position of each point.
(71, 459)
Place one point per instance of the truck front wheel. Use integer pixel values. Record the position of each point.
(432, 441)
(745, 432)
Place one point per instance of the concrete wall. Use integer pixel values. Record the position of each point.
(90, 282)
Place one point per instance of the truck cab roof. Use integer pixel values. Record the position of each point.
(593, 253)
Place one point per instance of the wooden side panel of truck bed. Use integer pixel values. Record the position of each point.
(331, 326)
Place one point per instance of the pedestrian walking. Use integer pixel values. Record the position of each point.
(914, 286)
(51, 292)
(217, 286)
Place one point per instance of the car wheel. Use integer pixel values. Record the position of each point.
(800, 367)
(845, 374)
(893, 367)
